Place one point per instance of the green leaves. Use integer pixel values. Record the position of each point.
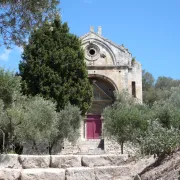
(9, 84)
(53, 66)
(18, 18)
(154, 129)
(33, 119)
(159, 141)
(125, 120)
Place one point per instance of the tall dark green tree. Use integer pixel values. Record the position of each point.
(53, 66)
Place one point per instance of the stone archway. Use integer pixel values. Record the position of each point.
(103, 96)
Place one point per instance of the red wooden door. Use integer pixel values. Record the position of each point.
(93, 126)
(97, 129)
(90, 129)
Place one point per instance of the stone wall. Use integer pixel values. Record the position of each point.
(70, 167)
(61, 167)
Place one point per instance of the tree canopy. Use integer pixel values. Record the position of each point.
(155, 90)
(153, 126)
(33, 120)
(147, 80)
(124, 119)
(19, 17)
(53, 66)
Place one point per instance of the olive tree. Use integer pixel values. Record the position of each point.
(125, 119)
(33, 119)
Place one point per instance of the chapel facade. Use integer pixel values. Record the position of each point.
(111, 69)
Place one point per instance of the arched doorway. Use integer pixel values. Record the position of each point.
(103, 96)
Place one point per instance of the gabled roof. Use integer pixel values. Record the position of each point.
(121, 47)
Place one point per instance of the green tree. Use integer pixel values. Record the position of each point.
(9, 94)
(167, 109)
(149, 92)
(19, 17)
(38, 122)
(147, 80)
(125, 120)
(33, 119)
(166, 83)
(158, 140)
(9, 85)
(53, 66)
(163, 132)
(68, 125)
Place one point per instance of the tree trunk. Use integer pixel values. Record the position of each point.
(3, 145)
(51, 144)
(122, 147)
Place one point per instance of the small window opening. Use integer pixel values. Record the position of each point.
(92, 52)
(134, 89)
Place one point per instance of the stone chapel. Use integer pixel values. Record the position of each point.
(110, 68)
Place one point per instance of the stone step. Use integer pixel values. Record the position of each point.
(92, 152)
(60, 161)
(100, 173)
(81, 173)
(104, 160)
(91, 143)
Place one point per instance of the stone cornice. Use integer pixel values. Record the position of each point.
(107, 67)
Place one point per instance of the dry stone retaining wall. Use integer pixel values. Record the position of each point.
(68, 167)
(63, 167)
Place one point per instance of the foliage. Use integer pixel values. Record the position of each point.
(69, 122)
(53, 66)
(147, 80)
(34, 119)
(163, 133)
(166, 83)
(133, 61)
(37, 120)
(167, 109)
(9, 85)
(149, 92)
(150, 96)
(9, 91)
(158, 90)
(125, 120)
(155, 128)
(159, 141)
(19, 17)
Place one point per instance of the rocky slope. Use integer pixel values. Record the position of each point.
(165, 169)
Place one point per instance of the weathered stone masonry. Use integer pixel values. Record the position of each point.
(65, 167)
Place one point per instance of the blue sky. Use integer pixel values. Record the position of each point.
(150, 29)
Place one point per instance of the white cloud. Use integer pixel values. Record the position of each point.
(4, 56)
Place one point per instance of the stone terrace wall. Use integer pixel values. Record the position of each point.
(63, 167)
(70, 167)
